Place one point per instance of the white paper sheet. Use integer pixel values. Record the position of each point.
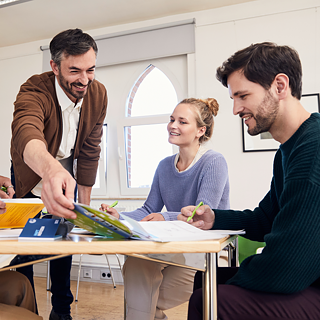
(165, 231)
(9, 234)
(5, 259)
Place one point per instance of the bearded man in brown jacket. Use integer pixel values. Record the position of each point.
(56, 135)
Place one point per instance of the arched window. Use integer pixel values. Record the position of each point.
(146, 144)
(141, 97)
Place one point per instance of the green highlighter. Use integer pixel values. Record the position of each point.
(113, 205)
(194, 211)
(4, 189)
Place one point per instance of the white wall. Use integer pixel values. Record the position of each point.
(219, 33)
(15, 68)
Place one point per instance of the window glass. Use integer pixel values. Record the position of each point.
(101, 171)
(97, 183)
(152, 94)
(146, 145)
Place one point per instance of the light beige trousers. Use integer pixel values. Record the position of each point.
(152, 287)
(16, 297)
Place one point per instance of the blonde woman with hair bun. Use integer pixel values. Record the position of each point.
(193, 175)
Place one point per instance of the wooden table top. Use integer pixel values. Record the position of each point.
(81, 244)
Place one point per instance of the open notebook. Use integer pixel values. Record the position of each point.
(106, 225)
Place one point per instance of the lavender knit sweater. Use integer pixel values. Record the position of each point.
(206, 181)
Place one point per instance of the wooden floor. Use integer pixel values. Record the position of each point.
(97, 301)
(100, 301)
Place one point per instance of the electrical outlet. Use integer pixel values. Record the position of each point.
(105, 274)
(87, 273)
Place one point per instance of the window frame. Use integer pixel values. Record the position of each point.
(123, 169)
(114, 176)
(126, 121)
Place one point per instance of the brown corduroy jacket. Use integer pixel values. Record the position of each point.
(37, 115)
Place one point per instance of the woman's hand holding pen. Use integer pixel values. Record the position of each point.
(203, 219)
(106, 208)
(153, 217)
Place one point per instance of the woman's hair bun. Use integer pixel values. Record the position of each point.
(212, 104)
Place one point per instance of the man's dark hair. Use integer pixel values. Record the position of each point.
(261, 62)
(72, 42)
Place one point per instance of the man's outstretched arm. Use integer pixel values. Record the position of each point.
(55, 179)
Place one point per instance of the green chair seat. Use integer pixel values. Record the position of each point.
(247, 247)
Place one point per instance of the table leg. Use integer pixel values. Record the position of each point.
(124, 295)
(209, 288)
(48, 276)
(233, 254)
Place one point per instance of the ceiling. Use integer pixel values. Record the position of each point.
(42, 19)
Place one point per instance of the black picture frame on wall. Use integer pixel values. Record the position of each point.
(264, 141)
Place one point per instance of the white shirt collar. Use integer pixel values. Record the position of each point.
(201, 151)
(63, 99)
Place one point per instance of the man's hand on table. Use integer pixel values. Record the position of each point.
(55, 181)
(6, 182)
(203, 218)
(2, 207)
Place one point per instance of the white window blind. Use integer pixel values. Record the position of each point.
(141, 44)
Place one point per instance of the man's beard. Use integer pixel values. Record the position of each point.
(266, 114)
(67, 87)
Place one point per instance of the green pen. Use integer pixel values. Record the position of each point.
(194, 211)
(113, 205)
(4, 189)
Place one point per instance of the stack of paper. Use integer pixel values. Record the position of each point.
(19, 211)
(9, 234)
(165, 231)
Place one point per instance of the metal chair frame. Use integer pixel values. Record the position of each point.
(79, 274)
(111, 273)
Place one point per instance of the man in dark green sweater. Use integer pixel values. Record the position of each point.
(264, 81)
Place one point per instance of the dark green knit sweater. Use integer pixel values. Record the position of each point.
(287, 219)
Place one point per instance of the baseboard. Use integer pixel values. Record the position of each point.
(88, 273)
